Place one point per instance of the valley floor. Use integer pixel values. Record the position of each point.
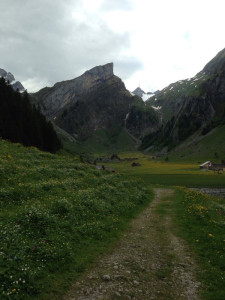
(149, 262)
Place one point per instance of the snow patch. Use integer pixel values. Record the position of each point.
(145, 97)
(127, 116)
(156, 107)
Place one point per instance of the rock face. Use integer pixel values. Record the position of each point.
(64, 93)
(17, 86)
(3, 73)
(95, 100)
(139, 92)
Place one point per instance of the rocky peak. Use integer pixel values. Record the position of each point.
(3, 73)
(68, 92)
(104, 72)
(17, 85)
(138, 92)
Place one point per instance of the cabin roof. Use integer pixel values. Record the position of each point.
(205, 163)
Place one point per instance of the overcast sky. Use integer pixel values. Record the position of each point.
(151, 42)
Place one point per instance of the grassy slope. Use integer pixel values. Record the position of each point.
(56, 215)
(102, 142)
(209, 147)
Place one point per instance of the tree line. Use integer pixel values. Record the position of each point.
(22, 122)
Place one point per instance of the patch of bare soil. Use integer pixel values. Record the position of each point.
(149, 262)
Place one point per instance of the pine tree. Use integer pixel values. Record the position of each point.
(20, 122)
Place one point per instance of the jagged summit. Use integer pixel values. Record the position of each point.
(17, 85)
(68, 92)
(138, 92)
(105, 71)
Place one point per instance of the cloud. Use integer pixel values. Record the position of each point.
(45, 42)
(117, 5)
(127, 66)
(151, 42)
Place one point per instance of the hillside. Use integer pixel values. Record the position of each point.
(202, 147)
(56, 216)
(190, 106)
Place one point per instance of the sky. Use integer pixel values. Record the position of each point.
(152, 43)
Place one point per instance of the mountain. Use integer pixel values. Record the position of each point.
(55, 99)
(139, 92)
(96, 100)
(17, 85)
(191, 105)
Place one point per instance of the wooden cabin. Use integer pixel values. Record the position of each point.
(206, 165)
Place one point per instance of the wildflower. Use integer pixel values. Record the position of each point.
(197, 241)
(210, 235)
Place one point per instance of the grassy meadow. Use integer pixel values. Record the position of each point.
(170, 173)
(56, 216)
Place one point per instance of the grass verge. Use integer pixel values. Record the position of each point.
(201, 219)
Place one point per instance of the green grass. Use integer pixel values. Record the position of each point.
(56, 216)
(102, 142)
(171, 173)
(202, 148)
(200, 220)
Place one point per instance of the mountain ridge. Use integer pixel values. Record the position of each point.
(9, 77)
(188, 106)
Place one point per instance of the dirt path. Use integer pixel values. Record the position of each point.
(149, 262)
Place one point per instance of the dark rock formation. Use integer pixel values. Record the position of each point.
(138, 92)
(17, 86)
(3, 73)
